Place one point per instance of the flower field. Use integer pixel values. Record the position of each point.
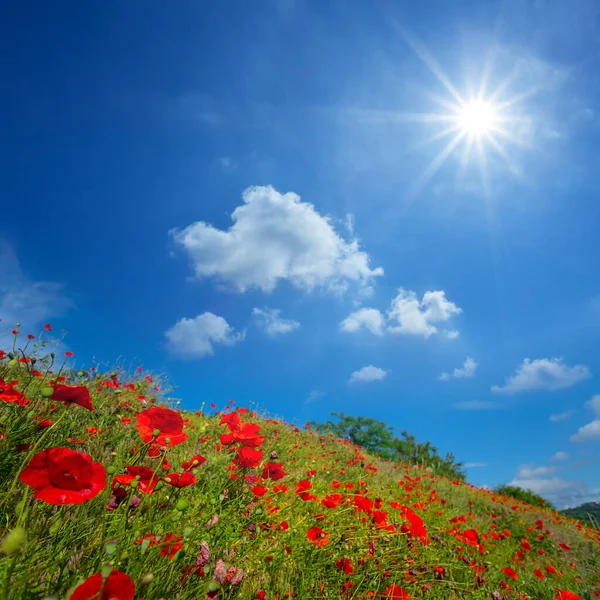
(109, 491)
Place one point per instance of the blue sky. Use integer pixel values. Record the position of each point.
(263, 200)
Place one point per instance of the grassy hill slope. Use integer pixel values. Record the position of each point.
(152, 502)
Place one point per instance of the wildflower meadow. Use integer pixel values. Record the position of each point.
(109, 491)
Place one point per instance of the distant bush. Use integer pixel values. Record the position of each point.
(514, 491)
(377, 437)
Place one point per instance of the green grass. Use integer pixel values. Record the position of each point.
(468, 535)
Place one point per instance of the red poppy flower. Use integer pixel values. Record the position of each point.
(48, 327)
(194, 462)
(564, 547)
(180, 480)
(247, 435)
(10, 395)
(258, 491)
(248, 457)
(226, 438)
(510, 573)
(146, 478)
(232, 420)
(273, 471)
(363, 504)
(317, 536)
(73, 394)
(344, 564)
(64, 476)
(167, 422)
(171, 545)
(332, 500)
(395, 592)
(117, 586)
(566, 595)
(68, 353)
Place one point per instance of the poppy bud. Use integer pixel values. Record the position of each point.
(156, 433)
(203, 555)
(181, 504)
(106, 571)
(213, 586)
(46, 392)
(220, 573)
(110, 470)
(14, 541)
(237, 578)
(12, 363)
(147, 579)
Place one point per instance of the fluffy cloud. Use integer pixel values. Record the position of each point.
(369, 373)
(365, 318)
(590, 431)
(476, 405)
(467, 370)
(272, 323)
(531, 471)
(276, 237)
(543, 374)
(196, 338)
(594, 404)
(407, 315)
(559, 456)
(22, 300)
(558, 491)
(414, 317)
(563, 416)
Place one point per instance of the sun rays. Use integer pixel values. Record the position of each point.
(476, 124)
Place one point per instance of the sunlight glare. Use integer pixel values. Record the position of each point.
(477, 118)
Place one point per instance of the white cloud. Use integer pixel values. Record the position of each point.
(407, 315)
(558, 491)
(467, 370)
(531, 471)
(313, 396)
(543, 374)
(25, 301)
(474, 465)
(276, 237)
(272, 323)
(563, 416)
(195, 338)
(594, 404)
(559, 456)
(476, 405)
(369, 373)
(588, 433)
(416, 317)
(365, 318)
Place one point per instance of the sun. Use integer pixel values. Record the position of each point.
(477, 118)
